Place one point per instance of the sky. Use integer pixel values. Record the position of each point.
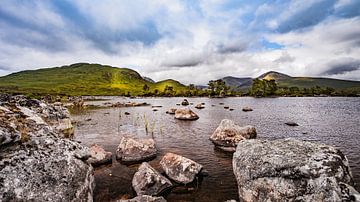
(192, 41)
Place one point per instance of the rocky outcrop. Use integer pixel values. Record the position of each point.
(171, 111)
(131, 150)
(145, 198)
(99, 156)
(185, 114)
(36, 162)
(227, 135)
(147, 181)
(179, 168)
(291, 170)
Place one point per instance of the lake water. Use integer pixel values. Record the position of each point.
(331, 120)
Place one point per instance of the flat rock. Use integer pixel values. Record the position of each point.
(131, 150)
(99, 156)
(199, 106)
(247, 109)
(185, 114)
(147, 181)
(179, 168)
(291, 123)
(291, 170)
(171, 111)
(228, 134)
(145, 198)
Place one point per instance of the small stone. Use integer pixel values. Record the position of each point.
(291, 123)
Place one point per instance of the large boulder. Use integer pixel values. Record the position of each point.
(145, 198)
(185, 114)
(179, 168)
(131, 150)
(291, 170)
(36, 162)
(228, 134)
(147, 181)
(99, 156)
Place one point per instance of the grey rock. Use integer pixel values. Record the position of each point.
(171, 111)
(185, 102)
(99, 156)
(147, 181)
(131, 150)
(247, 109)
(291, 123)
(185, 114)
(145, 198)
(227, 135)
(291, 170)
(179, 168)
(199, 106)
(36, 162)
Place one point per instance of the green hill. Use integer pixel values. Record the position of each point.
(83, 79)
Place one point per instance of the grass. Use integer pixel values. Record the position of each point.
(81, 79)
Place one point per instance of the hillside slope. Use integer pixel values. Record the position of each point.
(238, 84)
(82, 79)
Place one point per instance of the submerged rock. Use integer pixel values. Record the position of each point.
(99, 156)
(179, 168)
(291, 123)
(145, 198)
(227, 135)
(171, 111)
(36, 162)
(291, 170)
(199, 106)
(247, 109)
(147, 181)
(131, 150)
(185, 102)
(185, 114)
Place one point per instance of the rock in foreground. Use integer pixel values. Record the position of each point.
(99, 156)
(147, 181)
(36, 162)
(227, 135)
(179, 168)
(291, 170)
(131, 150)
(145, 198)
(185, 114)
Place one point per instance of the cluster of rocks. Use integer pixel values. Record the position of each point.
(37, 162)
(149, 182)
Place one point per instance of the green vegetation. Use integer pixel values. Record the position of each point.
(86, 79)
(262, 88)
(218, 88)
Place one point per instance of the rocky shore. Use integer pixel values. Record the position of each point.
(37, 161)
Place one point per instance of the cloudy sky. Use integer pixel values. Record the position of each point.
(188, 40)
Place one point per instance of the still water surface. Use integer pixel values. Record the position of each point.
(331, 120)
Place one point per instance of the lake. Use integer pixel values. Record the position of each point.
(330, 120)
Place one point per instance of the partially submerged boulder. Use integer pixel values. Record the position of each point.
(291, 123)
(147, 181)
(131, 150)
(99, 156)
(36, 162)
(291, 170)
(185, 114)
(179, 168)
(185, 102)
(227, 135)
(145, 198)
(247, 109)
(199, 106)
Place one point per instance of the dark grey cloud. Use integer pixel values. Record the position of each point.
(311, 16)
(191, 61)
(232, 47)
(285, 58)
(342, 66)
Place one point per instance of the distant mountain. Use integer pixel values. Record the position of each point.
(238, 84)
(148, 79)
(283, 80)
(82, 79)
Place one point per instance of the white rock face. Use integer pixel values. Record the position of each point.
(291, 170)
(147, 181)
(179, 168)
(227, 135)
(36, 162)
(185, 114)
(131, 150)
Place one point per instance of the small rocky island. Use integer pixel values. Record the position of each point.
(39, 161)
